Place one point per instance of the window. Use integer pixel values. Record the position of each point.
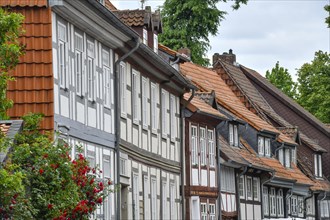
(202, 142)
(62, 50)
(280, 204)
(173, 117)
(135, 95)
(145, 197)
(228, 180)
(172, 201)
(107, 76)
(164, 112)
(145, 96)
(281, 156)
(265, 200)
(194, 158)
(153, 108)
(310, 206)
(241, 187)
(300, 206)
(256, 184)
(203, 211)
(233, 135)
(164, 201)
(155, 43)
(212, 211)
(123, 166)
(287, 158)
(324, 206)
(294, 205)
(106, 166)
(153, 199)
(122, 73)
(293, 155)
(272, 201)
(79, 48)
(90, 71)
(249, 187)
(318, 165)
(136, 196)
(264, 148)
(210, 135)
(145, 36)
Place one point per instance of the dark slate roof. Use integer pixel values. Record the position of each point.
(9, 128)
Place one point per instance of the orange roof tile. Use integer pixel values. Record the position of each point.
(320, 185)
(24, 3)
(4, 128)
(109, 5)
(210, 80)
(202, 106)
(134, 17)
(167, 49)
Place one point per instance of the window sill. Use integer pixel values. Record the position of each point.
(80, 96)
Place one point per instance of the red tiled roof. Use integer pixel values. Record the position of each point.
(230, 153)
(24, 3)
(167, 49)
(209, 80)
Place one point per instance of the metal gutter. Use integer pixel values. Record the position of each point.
(117, 111)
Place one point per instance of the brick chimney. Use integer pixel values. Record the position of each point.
(228, 57)
(185, 52)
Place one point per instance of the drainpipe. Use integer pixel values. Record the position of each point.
(277, 149)
(219, 166)
(262, 186)
(319, 205)
(117, 119)
(288, 197)
(237, 193)
(182, 150)
(305, 201)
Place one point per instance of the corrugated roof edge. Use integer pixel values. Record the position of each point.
(311, 118)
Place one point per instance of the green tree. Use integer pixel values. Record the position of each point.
(281, 78)
(50, 184)
(10, 51)
(314, 86)
(188, 23)
(327, 19)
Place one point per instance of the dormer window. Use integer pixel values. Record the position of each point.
(318, 165)
(286, 156)
(264, 146)
(156, 43)
(233, 135)
(145, 36)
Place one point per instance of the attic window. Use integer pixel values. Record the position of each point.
(156, 43)
(264, 146)
(318, 165)
(145, 36)
(233, 135)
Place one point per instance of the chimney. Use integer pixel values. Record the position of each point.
(228, 57)
(215, 58)
(185, 52)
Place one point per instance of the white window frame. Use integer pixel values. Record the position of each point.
(79, 63)
(122, 168)
(294, 205)
(211, 147)
(287, 157)
(135, 95)
(145, 36)
(202, 145)
(106, 170)
(145, 196)
(300, 206)
(272, 201)
(241, 187)
(123, 84)
(324, 208)
(203, 211)
(194, 148)
(280, 203)
(156, 43)
(231, 134)
(281, 156)
(256, 188)
(261, 145)
(267, 147)
(212, 211)
(153, 198)
(164, 200)
(173, 117)
(264, 146)
(236, 138)
(294, 155)
(318, 165)
(91, 155)
(107, 65)
(228, 180)
(154, 124)
(145, 96)
(91, 71)
(164, 95)
(265, 200)
(62, 55)
(172, 201)
(249, 188)
(135, 202)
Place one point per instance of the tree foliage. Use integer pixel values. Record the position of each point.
(10, 51)
(282, 79)
(41, 181)
(327, 19)
(314, 86)
(188, 23)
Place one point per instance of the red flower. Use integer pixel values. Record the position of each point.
(45, 155)
(41, 171)
(92, 181)
(99, 200)
(81, 157)
(109, 182)
(50, 206)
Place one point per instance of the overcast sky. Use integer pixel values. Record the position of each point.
(264, 31)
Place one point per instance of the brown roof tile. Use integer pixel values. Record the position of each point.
(230, 153)
(110, 6)
(209, 80)
(4, 127)
(134, 17)
(167, 49)
(24, 3)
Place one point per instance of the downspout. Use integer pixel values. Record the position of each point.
(117, 120)
(219, 166)
(319, 205)
(305, 201)
(262, 186)
(182, 150)
(277, 149)
(237, 193)
(288, 197)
